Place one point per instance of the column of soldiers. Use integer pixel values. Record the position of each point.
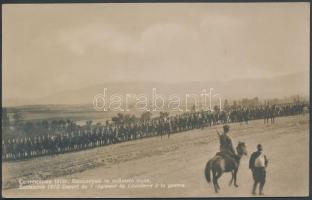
(89, 137)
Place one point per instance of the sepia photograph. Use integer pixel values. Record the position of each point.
(108, 100)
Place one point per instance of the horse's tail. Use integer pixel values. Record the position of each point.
(207, 171)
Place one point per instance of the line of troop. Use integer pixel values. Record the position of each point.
(72, 137)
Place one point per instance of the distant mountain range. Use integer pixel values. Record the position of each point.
(278, 87)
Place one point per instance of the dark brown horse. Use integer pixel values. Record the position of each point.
(220, 164)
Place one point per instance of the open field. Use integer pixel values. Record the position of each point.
(178, 160)
(79, 113)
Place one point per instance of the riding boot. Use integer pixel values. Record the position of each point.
(261, 188)
(254, 188)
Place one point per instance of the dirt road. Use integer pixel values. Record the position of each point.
(175, 164)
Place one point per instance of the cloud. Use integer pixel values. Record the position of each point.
(79, 40)
(155, 40)
(187, 43)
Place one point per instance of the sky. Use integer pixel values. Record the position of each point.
(49, 48)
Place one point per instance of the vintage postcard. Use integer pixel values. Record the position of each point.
(155, 100)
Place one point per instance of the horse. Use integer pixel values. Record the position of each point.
(220, 164)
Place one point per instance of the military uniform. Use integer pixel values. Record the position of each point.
(258, 172)
(226, 149)
(226, 145)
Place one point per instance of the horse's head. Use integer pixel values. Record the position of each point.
(241, 149)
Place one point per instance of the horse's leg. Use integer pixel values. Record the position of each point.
(218, 176)
(231, 181)
(214, 180)
(235, 177)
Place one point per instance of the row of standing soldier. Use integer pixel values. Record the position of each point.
(84, 138)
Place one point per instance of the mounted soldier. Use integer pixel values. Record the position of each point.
(226, 160)
(226, 145)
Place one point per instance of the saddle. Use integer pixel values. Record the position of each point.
(227, 156)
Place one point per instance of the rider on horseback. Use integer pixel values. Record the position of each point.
(226, 141)
(226, 146)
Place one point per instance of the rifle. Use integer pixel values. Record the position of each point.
(218, 133)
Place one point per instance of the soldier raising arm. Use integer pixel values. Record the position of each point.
(226, 144)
